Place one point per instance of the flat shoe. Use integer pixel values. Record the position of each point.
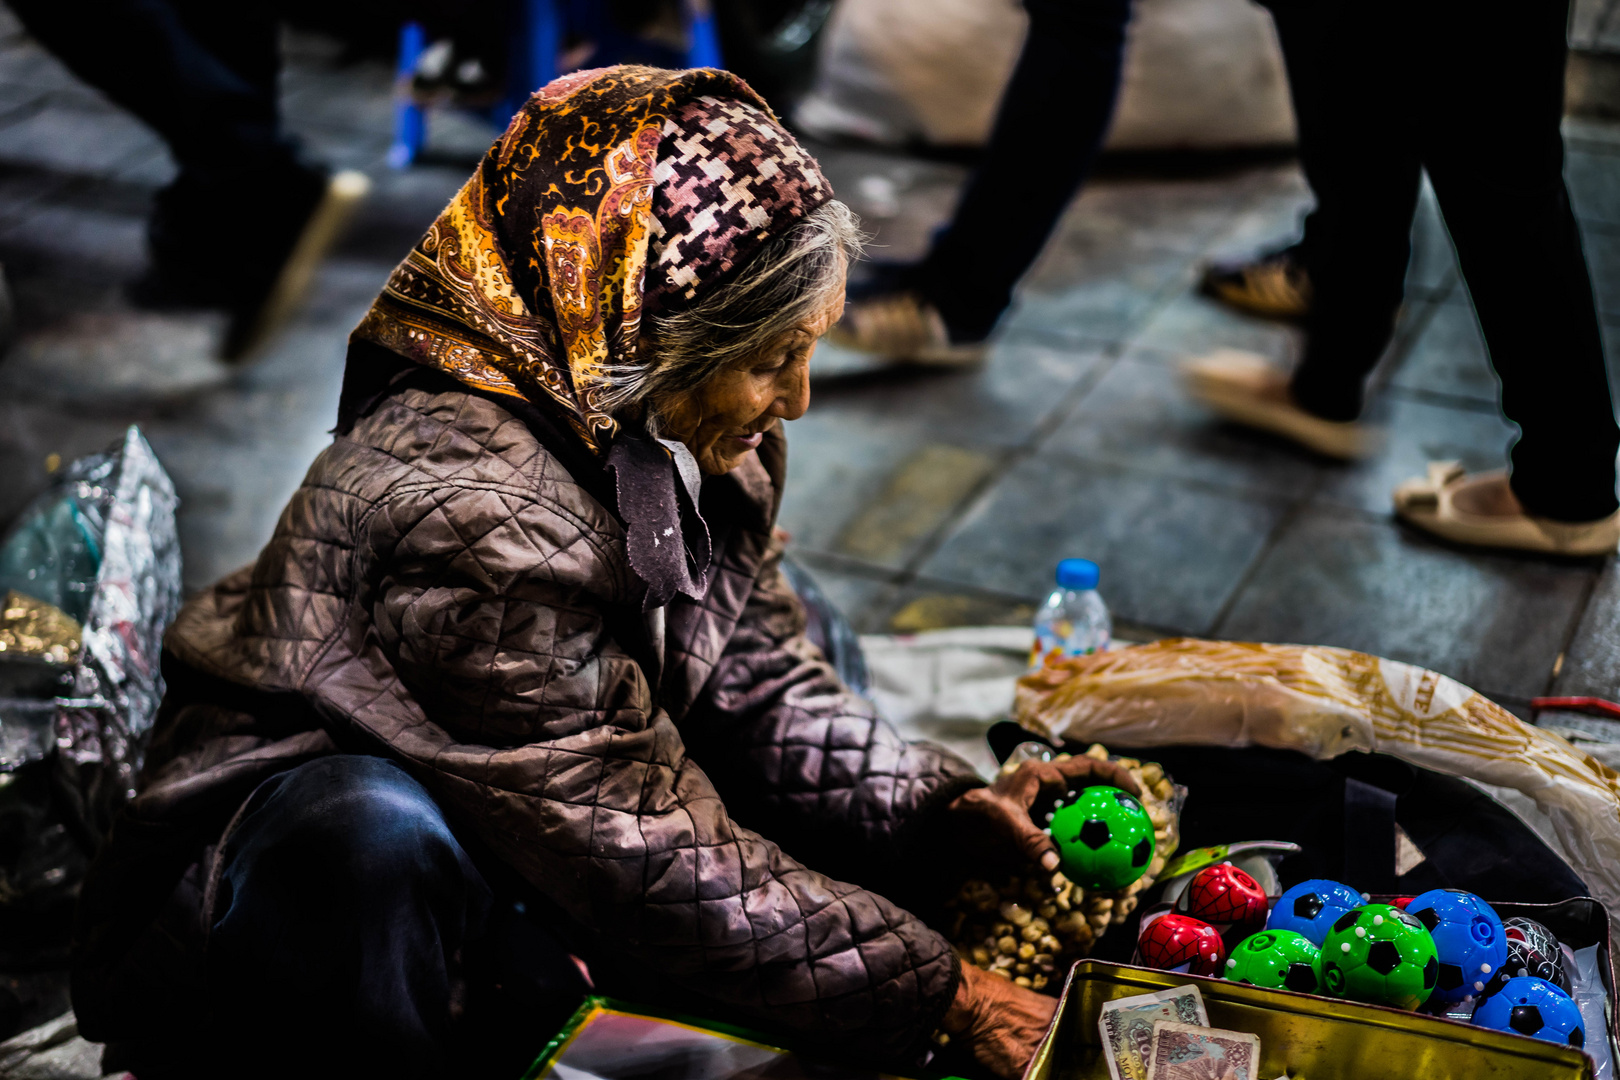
(903, 329)
(1429, 503)
(1246, 389)
(1273, 286)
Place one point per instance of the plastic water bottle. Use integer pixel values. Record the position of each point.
(1074, 620)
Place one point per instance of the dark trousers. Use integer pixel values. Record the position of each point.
(1048, 130)
(202, 74)
(1388, 91)
(352, 934)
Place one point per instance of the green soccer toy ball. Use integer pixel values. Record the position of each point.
(1103, 836)
(1278, 960)
(1381, 955)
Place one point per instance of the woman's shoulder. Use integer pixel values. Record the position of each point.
(420, 440)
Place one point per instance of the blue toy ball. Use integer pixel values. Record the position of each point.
(1469, 937)
(1533, 1007)
(1312, 907)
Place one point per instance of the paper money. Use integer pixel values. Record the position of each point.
(1126, 1025)
(1191, 1052)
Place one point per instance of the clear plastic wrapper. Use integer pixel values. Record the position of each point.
(1586, 985)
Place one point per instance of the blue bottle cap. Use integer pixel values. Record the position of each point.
(1077, 574)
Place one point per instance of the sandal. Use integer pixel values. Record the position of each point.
(1430, 503)
(903, 328)
(1246, 389)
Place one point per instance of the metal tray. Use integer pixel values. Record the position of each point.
(1303, 1035)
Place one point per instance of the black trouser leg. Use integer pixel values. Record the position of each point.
(1048, 131)
(1367, 175)
(1300, 27)
(203, 76)
(1495, 156)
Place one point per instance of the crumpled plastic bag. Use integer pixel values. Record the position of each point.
(1325, 701)
(98, 548)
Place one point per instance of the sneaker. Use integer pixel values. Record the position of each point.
(1481, 509)
(1246, 389)
(904, 328)
(1274, 286)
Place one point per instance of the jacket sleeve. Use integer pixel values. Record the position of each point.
(819, 763)
(532, 726)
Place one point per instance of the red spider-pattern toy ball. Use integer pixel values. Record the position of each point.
(1225, 894)
(1181, 943)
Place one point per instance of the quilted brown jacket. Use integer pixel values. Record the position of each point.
(442, 592)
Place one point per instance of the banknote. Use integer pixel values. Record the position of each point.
(1126, 1026)
(1192, 1052)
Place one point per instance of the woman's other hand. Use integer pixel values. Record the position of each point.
(1000, 1023)
(995, 819)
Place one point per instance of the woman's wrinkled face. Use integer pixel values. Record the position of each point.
(728, 416)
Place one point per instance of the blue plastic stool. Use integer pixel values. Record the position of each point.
(535, 48)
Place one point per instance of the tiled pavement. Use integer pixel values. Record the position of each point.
(920, 499)
(927, 499)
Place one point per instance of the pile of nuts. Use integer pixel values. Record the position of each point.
(1033, 927)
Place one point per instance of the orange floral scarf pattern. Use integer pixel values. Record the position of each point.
(531, 282)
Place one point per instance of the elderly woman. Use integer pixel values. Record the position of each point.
(520, 644)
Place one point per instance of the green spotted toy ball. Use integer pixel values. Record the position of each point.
(1103, 836)
(1277, 960)
(1381, 955)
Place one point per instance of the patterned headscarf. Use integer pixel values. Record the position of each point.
(612, 193)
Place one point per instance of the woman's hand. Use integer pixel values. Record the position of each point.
(996, 819)
(1000, 1023)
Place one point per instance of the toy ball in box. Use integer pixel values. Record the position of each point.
(1381, 955)
(1532, 952)
(1277, 959)
(1312, 907)
(1175, 942)
(1225, 894)
(1535, 1008)
(1468, 937)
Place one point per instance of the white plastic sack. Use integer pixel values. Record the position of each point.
(1324, 701)
(948, 686)
(1198, 73)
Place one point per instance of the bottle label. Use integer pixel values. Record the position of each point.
(1054, 642)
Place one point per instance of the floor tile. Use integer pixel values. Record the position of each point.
(77, 141)
(1434, 259)
(1414, 433)
(1448, 356)
(859, 431)
(1494, 622)
(1171, 552)
(1139, 417)
(924, 606)
(1193, 324)
(70, 243)
(1140, 214)
(1594, 184)
(1603, 259)
(1592, 664)
(919, 497)
(1071, 296)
